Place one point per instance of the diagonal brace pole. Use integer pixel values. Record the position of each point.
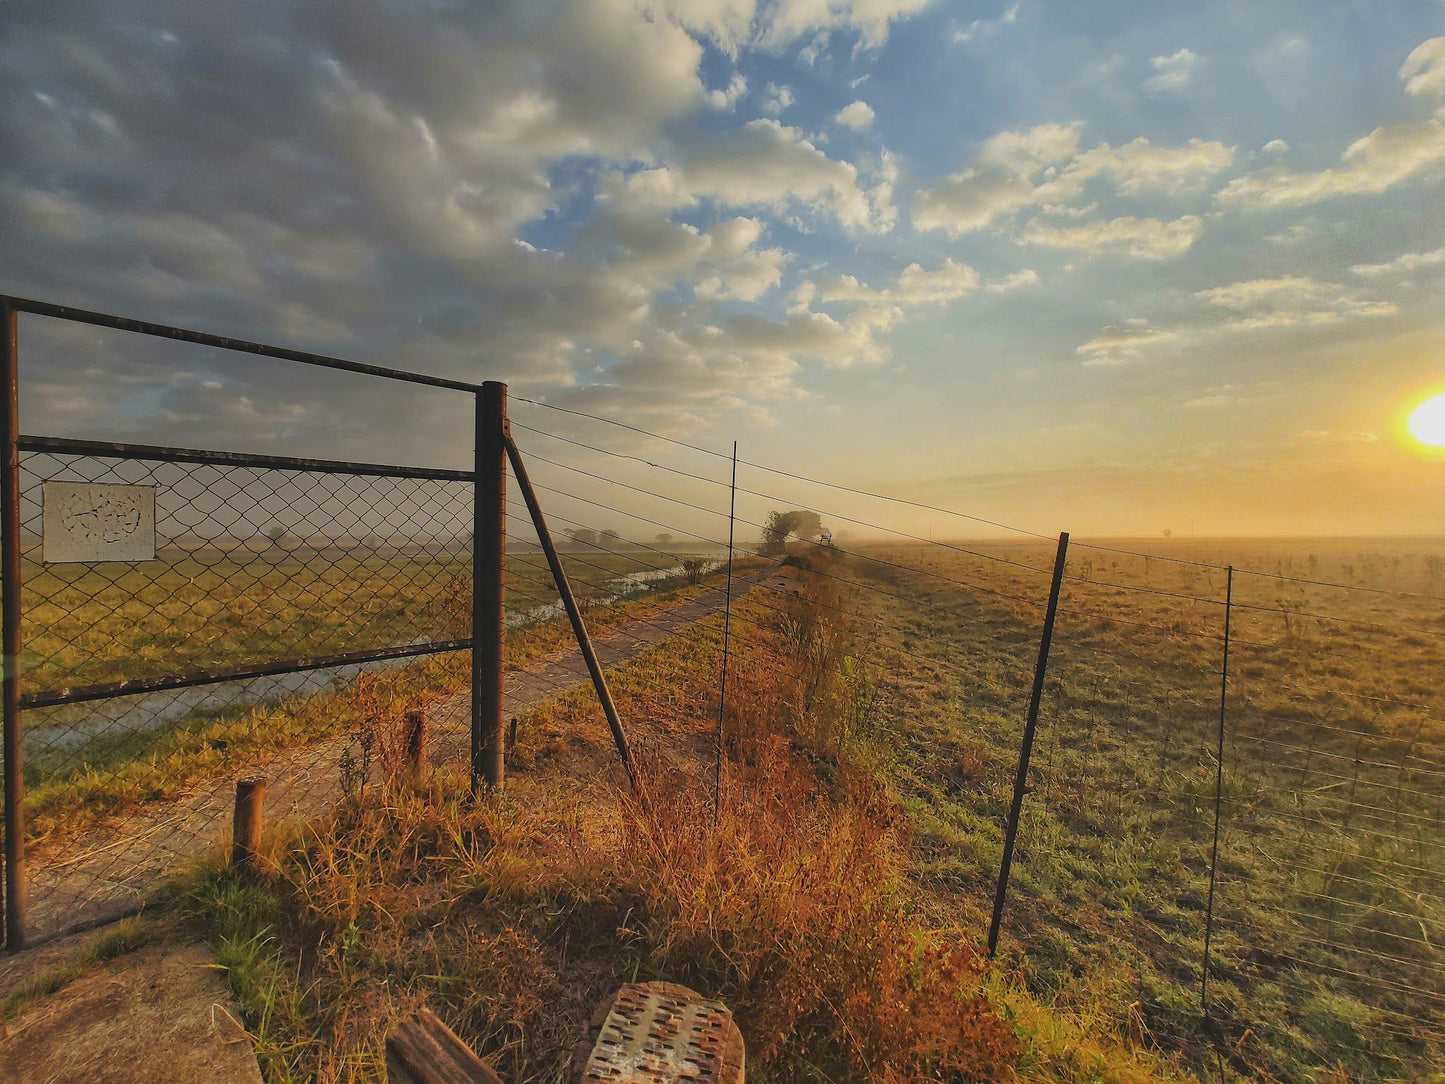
(569, 603)
(1026, 747)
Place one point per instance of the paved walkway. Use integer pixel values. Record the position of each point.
(125, 861)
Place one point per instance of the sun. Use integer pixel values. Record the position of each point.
(1427, 422)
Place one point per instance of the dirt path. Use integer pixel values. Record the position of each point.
(121, 864)
(161, 1012)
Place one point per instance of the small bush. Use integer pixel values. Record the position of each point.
(791, 909)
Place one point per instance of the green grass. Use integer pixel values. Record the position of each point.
(90, 624)
(125, 937)
(1328, 908)
(513, 917)
(70, 783)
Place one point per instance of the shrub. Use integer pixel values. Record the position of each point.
(791, 909)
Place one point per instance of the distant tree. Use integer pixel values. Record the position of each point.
(609, 537)
(1168, 533)
(663, 539)
(782, 527)
(581, 536)
(278, 534)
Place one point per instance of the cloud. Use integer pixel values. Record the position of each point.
(370, 190)
(1026, 153)
(788, 20)
(1043, 167)
(999, 183)
(1142, 238)
(1387, 156)
(970, 200)
(1378, 161)
(1424, 69)
(1246, 306)
(1141, 166)
(739, 270)
(914, 287)
(981, 29)
(1017, 280)
(1409, 261)
(1290, 301)
(1209, 402)
(762, 164)
(1351, 436)
(728, 99)
(727, 23)
(49, 214)
(808, 55)
(777, 99)
(856, 115)
(777, 24)
(1116, 345)
(1276, 146)
(1172, 72)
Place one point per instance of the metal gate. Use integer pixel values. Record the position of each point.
(175, 616)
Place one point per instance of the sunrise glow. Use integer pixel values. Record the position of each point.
(1427, 422)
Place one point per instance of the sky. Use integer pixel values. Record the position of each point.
(1116, 267)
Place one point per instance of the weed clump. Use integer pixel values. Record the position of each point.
(791, 907)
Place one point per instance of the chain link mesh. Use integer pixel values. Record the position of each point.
(255, 566)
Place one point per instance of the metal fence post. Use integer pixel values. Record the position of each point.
(1218, 797)
(1027, 745)
(489, 554)
(10, 631)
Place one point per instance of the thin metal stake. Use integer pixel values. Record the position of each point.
(1218, 795)
(727, 631)
(1027, 745)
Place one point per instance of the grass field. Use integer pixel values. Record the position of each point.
(196, 610)
(873, 722)
(794, 901)
(1328, 909)
(202, 610)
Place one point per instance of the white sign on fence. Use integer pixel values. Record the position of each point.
(87, 521)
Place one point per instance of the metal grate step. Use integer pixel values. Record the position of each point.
(661, 1033)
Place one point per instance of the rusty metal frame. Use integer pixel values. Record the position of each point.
(488, 635)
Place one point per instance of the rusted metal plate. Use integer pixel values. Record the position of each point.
(661, 1033)
(83, 521)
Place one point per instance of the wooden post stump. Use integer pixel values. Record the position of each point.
(415, 740)
(246, 823)
(423, 1050)
(660, 1033)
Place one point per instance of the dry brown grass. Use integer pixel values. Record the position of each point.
(796, 900)
(514, 916)
(793, 903)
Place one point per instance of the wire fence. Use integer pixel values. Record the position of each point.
(1275, 911)
(1305, 939)
(237, 648)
